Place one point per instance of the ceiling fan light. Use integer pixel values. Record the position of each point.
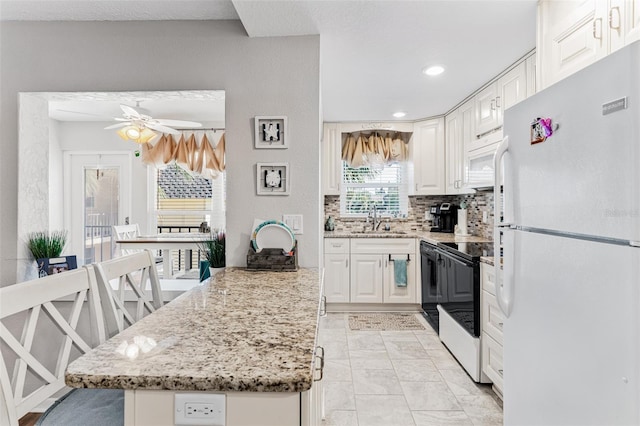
(132, 132)
(146, 135)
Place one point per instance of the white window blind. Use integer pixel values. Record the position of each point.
(386, 187)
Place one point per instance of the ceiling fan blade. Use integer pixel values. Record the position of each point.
(121, 119)
(177, 123)
(161, 128)
(117, 125)
(130, 112)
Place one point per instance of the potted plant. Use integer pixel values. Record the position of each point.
(213, 249)
(46, 248)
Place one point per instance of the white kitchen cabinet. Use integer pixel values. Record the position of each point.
(574, 34)
(331, 159)
(491, 102)
(372, 270)
(367, 278)
(487, 117)
(492, 324)
(427, 153)
(459, 130)
(531, 69)
(336, 270)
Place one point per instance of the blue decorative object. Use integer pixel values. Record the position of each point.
(204, 270)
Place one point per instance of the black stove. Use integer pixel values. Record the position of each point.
(469, 251)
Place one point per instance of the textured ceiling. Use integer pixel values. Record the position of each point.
(372, 51)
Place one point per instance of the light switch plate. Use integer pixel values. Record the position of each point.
(293, 221)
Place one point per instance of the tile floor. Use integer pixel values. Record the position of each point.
(398, 378)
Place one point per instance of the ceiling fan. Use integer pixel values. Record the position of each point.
(139, 127)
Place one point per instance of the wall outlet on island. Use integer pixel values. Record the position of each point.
(199, 409)
(485, 216)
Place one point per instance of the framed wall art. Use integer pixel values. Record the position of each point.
(272, 179)
(271, 132)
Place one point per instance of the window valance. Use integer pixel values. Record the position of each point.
(199, 158)
(374, 149)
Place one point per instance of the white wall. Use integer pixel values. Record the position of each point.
(261, 76)
(56, 195)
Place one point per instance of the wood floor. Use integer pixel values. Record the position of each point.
(29, 419)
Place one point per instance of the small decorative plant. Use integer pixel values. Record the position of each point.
(214, 249)
(45, 244)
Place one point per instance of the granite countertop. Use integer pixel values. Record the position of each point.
(431, 237)
(241, 331)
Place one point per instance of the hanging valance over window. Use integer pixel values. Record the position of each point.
(374, 150)
(199, 158)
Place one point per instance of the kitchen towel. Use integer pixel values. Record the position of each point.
(400, 272)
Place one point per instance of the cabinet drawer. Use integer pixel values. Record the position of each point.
(336, 245)
(384, 246)
(488, 278)
(492, 360)
(492, 318)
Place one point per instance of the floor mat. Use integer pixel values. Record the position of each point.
(384, 322)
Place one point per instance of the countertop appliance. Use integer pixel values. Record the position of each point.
(444, 217)
(571, 239)
(451, 298)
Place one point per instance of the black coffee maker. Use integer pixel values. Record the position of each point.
(445, 217)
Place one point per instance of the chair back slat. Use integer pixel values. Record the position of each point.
(127, 232)
(32, 299)
(131, 272)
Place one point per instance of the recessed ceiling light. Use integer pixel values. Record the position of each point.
(399, 114)
(433, 71)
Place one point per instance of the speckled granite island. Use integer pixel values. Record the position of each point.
(249, 335)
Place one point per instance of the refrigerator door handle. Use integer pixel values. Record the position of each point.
(505, 273)
(498, 208)
(503, 280)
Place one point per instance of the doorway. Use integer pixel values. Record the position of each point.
(97, 196)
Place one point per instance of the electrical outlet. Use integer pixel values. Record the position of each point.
(485, 216)
(199, 409)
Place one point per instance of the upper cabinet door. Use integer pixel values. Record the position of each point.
(487, 117)
(512, 88)
(331, 159)
(427, 147)
(573, 35)
(631, 21)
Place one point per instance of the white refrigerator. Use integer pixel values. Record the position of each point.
(571, 242)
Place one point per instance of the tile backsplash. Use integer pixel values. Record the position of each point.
(477, 203)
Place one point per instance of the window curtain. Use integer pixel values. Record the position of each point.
(200, 158)
(374, 150)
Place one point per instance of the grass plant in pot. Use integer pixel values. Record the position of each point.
(213, 250)
(46, 248)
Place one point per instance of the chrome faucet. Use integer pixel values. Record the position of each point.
(376, 223)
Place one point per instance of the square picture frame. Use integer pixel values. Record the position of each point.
(271, 132)
(272, 179)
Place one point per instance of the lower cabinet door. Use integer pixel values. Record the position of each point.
(336, 277)
(492, 360)
(394, 292)
(366, 278)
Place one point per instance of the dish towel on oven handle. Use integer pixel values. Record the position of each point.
(400, 272)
